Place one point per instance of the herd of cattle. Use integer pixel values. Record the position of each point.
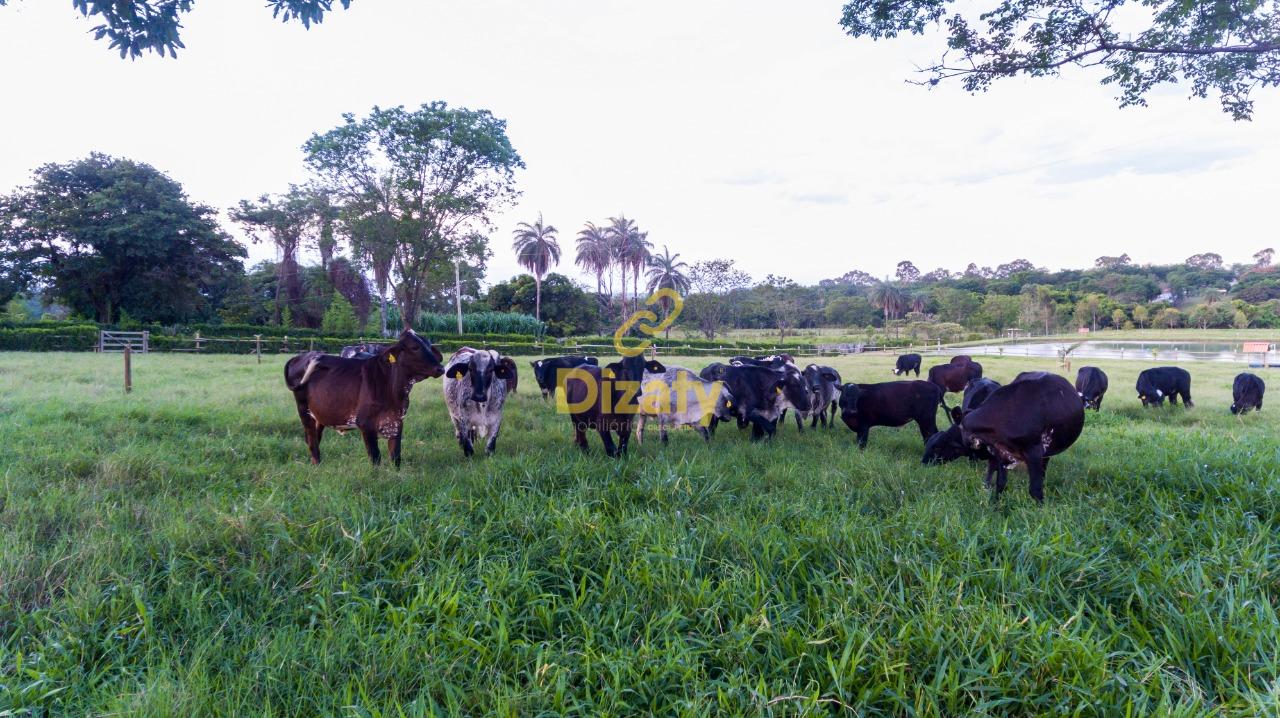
(1033, 418)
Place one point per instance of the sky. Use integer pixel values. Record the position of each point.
(749, 129)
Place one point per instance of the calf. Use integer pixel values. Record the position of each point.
(893, 403)
(954, 377)
(605, 400)
(1091, 385)
(366, 393)
(362, 351)
(1247, 391)
(547, 371)
(476, 383)
(824, 385)
(1171, 382)
(678, 397)
(760, 394)
(949, 445)
(1037, 416)
(906, 364)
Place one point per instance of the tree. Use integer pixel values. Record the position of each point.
(594, 255)
(340, 318)
(938, 275)
(1263, 257)
(1225, 48)
(1011, 268)
(1141, 316)
(1207, 260)
(1088, 309)
(711, 282)
(1168, 317)
(956, 305)
(855, 277)
(850, 312)
(537, 250)
(1039, 305)
(778, 296)
(667, 272)
(1240, 320)
(1105, 262)
(907, 272)
(570, 309)
(1001, 311)
(436, 174)
(1118, 318)
(888, 299)
(139, 26)
(630, 251)
(108, 235)
(285, 220)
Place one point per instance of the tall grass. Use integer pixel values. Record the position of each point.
(169, 552)
(480, 323)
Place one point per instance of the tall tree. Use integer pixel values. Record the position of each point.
(1262, 257)
(1227, 48)
(286, 221)
(137, 26)
(666, 271)
(594, 254)
(438, 172)
(107, 235)
(537, 250)
(630, 251)
(888, 299)
(712, 281)
(907, 272)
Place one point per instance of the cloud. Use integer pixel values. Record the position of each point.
(818, 198)
(750, 178)
(1143, 161)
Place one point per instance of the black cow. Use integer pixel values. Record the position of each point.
(1035, 417)
(1171, 382)
(893, 403)
(546, 371)
(776, 361)
(906, 364)
(362, 351)
(949, 445)
(760, 394)
(366, 393)
(1247, 391)
(1091, 385)
(714, 371)
(954, 377)
(606, 400)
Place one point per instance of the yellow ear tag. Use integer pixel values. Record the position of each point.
(728, 405)
(778, 389)
(391, 358)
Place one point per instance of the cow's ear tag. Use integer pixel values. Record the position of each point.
(777, 389)
(391, 358)
(728, 404)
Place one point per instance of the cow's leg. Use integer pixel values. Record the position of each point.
(799, 423)
(371, 445)
(463, 432)
(314, 442)
(863, 435)
(1036, 466)
(928, 427)
(492, 440)
(1186, 399)
(640, 424)
(393, 448)
(662, 430)
(311, 430)
(834, 408)
(624, 437)
(813, 421)
(580, 435)
(757, 427)
(606, 438)
(706, 435)
(711, 428)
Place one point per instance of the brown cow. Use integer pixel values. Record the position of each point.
(955, 377)
(367, 393)
(606, 400)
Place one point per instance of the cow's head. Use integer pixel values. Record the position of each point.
(415, 355)
(945, 446)
(482, 367)
(539, 375)
(791, 384)
(818, 376)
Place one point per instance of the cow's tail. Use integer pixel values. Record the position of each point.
(291, 378)
(942, 401)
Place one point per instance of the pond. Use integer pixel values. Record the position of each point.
(1143, 350)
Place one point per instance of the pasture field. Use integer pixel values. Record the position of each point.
(170, 552)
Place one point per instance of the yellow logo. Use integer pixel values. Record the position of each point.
(677, 304)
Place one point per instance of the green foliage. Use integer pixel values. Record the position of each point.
(567, 308)
(508, 324)
(340, 319)
(170, 556)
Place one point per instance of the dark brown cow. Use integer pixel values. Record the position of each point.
(606, 400)
(366, 393)
(954, 377)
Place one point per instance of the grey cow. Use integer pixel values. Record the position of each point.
(679, 397)
(475, 388)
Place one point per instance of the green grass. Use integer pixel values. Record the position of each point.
(170, 552)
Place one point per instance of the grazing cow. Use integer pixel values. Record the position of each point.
(1035, 417)
(1171, 382)
(476, 383)
(367, 393)
(893, 403)
(546, 371)
(949, 445)
(1247, 391)
(906, 364)
(605, 400)
(954, 377)
(961, 359)
(824, 385)
(760, 394)
(678, 397)
(1091, 385)
(362, 351)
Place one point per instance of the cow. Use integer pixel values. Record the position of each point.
(906, 364)
(954, 377)
(678, 397)
(1091, 385)
(893, 403)
(824, 385)
(949, 445)
(776, 361)
(1246, 392)
(1035, 417)
(961, 359)
(760, 394)
(1158, 383)
(546, 371)
(714, 371)
(605, 400)
(362, 351)
(476, 384)
(370, 394)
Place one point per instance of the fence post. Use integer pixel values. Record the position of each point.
(257, 346)
(146, 341)
(128, 369)
(197, 341)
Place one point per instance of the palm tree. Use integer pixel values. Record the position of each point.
(888, 298)
(536, 250)
(594, 255)
(630, 249)
(665, 272)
